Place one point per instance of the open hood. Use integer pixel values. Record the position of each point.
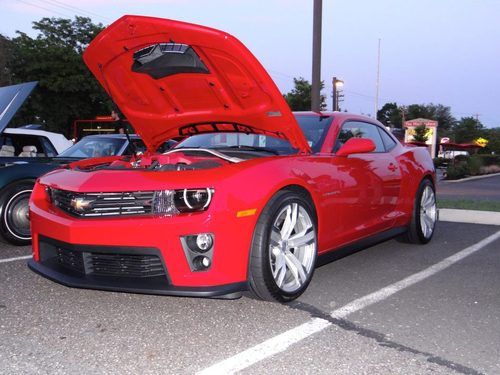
(11, 99)
(172, 78)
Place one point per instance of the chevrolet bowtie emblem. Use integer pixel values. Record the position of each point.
(81, 204)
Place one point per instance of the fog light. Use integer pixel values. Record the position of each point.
(200, 243)
(201, 262)
(204, 241)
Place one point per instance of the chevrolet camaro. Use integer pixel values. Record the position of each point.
(253, 199)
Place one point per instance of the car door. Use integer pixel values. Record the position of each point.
(370, 192)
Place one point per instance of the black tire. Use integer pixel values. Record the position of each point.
(14, 220)
(261, 282)
(416, 232)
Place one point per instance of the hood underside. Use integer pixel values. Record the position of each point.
(173, 79)
(11, 99)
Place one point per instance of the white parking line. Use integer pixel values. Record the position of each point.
(281, 342)
(14, 259)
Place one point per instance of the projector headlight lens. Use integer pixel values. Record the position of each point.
(172, 202)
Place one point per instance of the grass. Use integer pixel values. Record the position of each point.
(469, 204)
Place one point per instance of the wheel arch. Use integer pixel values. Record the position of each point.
(305, 193)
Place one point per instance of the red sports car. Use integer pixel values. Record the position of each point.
(253, 199)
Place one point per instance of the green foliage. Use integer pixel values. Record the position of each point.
(66, 89)
(469, 204)
(5, 60)
(474, 165)
(493, 137)
(438, 112)
(457, 170)
(488, 159)
(390, 115)
(467, 129)
(463, 166)
(299, 99)
(420, 134)
(439, 162)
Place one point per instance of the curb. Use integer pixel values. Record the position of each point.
(471, 178)
(469, 216)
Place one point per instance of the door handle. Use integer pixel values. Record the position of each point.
(392, 167)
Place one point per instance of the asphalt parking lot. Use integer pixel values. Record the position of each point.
(366, 313)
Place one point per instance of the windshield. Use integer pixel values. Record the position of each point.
(91, 147)
(239, 141)
(315, 129)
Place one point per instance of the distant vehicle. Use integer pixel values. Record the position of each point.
(24, 142)
(26, 153)
(452, 154)
(17, 178)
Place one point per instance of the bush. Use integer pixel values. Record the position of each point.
(461, 158)
(457, 171)
(474, 165)
(439, 162)
(488, 159)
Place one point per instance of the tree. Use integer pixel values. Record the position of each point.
(420, 134)
(468, 129)
(5, 60)
(390, 115)
(438, 112)
(299, 99)
(66, 89)
(493, 137)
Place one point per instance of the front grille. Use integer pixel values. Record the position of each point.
(117, 265)
(103, 204)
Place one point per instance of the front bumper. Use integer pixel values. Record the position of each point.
(110, 268)
(144, 235)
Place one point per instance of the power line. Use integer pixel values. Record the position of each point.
(47, 9)
(65, 6)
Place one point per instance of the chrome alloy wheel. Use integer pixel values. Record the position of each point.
(292, 247)
(16, 216)
(428, 212)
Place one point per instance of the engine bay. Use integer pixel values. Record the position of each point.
(173, 160)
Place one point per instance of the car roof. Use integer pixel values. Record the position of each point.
(31, 132)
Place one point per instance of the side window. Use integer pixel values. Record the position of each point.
(389, 143)
(48, 149)
(358, 129)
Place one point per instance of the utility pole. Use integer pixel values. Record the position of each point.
(316, 56)
(334, 99)
(378, 79)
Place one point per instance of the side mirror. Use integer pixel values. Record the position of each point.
(356, 146)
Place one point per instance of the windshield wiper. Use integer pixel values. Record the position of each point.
(254, 148)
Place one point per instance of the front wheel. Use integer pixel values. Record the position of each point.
(14, 219)
(424, 216)
(284, 248)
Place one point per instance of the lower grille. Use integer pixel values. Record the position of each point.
(109, 264)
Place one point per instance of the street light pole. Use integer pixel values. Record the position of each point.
(316, 57)
(337, 87)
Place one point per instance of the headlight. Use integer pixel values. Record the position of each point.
(171, 202)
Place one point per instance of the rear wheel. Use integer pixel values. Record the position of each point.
(424, 215)
(284, 248)
(14, 219)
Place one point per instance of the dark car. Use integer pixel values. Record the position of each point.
(27, 153)
(17, 179)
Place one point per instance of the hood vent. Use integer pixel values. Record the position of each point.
(166, 59)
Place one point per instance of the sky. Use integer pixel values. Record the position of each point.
(432, 51)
